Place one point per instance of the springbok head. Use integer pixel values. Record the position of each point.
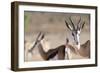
(38, 40)
(75, 29)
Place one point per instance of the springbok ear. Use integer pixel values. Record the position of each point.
(69, 26)
(82, 25)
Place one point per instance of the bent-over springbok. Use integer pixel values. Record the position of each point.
(59, 51)
(81, 49)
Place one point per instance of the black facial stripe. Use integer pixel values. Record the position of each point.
(72, 34)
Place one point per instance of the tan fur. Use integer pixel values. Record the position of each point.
(83, 52)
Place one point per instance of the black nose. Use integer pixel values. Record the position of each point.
(67, 40)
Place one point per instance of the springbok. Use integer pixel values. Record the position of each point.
(81, 50)
(52, 53)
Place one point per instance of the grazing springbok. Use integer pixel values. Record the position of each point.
(84, 49)
(58, 52)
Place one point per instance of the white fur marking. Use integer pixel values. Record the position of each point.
(45, 44)
(78, 39)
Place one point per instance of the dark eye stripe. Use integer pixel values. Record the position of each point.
(72, 34)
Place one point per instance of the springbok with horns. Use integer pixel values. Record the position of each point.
(52, 53)
(84, 49)
(79, 51)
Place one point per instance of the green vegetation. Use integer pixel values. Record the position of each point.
(26, 21)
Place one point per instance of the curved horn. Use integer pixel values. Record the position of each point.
(83, 25)
(69, 26)
(78, 25)
(72, 23)
(79, 21)
(36, 41)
